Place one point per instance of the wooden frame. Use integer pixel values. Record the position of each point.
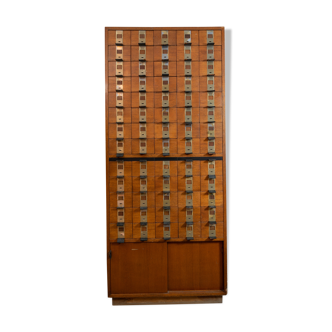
(184, 296)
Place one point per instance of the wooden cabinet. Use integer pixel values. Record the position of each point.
(165, 165)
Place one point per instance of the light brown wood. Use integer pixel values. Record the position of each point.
(194, 65)
(195, 114)
(202, 36)
(126, 99)
(173, 197)
(112, 145)
(205, 213)
(195, 129)
(171, 37)
(182, 97)
(160, 81)
(135, 148)
(135, 52)
(205, 230)
(182, 147)
(194, 180)
(126, 112)
(203, 53)
(114, 81)
(159, 182)
(182, 91)
(149, 182)
(203, 114)
(151, 231)
(135, 83)
(172, 130)
(128, 229)
(181, 35)
(183, 230)
(112, 35)
(151, 215)
(158, 65)
(127, 130)
(158, 100)
(158, 51)
(204, 147)
(125, 52)
(126, 167)
(136, 168)
(173, 216)
(182, 196)
(136, 112)
(205, 181)
(148, 36)
(218, 166)
(149, 98)
(203, 68)
(181, 82)
(151, 199)
(128, 214)
(204, 199)
(128, 199)
(205, 127)
(127, 181)
(158, 168)
(174, 229)
(134, 65)
(114, 65)
(182, 214)
(172, 114)
(149, 129)
(203, 83)
(173, 146)
(181, 52)
(195, 166)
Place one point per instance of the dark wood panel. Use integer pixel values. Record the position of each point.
(139, 268)
(194, 266)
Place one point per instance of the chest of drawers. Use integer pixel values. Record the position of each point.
(165, 165)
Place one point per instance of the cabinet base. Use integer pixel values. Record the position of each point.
(163, 300)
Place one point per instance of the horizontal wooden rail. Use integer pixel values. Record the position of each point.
(172, 294)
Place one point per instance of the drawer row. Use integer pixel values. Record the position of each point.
(157, 230)
(160, 183)
(162, 199)
(165, 84)
(164, 130)
(179, 115)
(165, 99)
(159, 53)
(159, 68)
(175, 214)
(176, 147)
(164, 37)
(159, 168)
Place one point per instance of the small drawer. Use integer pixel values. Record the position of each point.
(165, 68)
(188, 68)
(119, 68)
(164, 37)
(141, 53)
(141, 37)
(120, 168)
(119, 115)
(119, 37)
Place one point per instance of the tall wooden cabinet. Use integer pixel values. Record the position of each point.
(165, 165)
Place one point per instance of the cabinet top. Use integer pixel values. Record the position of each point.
(163, 27)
